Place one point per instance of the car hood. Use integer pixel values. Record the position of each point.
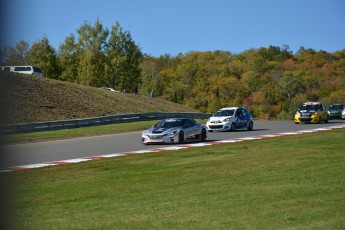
(335, 111)
(154, 130)
(219, 118)
(307, 111)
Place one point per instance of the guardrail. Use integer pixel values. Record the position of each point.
(105, 120)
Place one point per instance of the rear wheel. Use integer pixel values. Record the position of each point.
(233, 127)
(181, 137)
(250, 126)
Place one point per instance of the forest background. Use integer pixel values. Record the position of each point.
(272, 82)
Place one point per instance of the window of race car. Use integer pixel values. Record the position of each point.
(171, 123)
(224, 113)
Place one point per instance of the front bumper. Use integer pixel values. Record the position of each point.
(334, 115)
(224, 126)
(159, 139)
(307, 119)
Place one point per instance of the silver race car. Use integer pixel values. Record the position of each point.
(174, 130)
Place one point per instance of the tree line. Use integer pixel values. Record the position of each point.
(272, 82)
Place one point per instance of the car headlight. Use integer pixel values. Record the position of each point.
(144, 133)
(227, 119)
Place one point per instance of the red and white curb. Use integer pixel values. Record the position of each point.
(169, 148)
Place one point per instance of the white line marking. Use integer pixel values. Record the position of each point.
(112, 155)
(228, 141)
(35, 165)
(197, 145)
(172, 148)
(77, 160)
(248, 138)
(269, 135)
(288, 133)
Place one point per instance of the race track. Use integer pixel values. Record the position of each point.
(60, 150)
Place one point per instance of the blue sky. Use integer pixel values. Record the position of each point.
(179, 26)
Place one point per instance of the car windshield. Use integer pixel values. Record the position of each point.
(310, 107)
(224, 113)
(169, 124)
(336, 107)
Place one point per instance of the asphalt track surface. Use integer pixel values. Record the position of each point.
(58, 150)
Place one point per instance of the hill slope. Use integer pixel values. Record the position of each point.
(33, 99)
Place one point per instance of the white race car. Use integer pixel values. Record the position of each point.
(229, 119)
(174, 130)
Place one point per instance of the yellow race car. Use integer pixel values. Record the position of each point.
(311, 112)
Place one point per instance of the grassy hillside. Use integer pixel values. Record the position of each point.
(32, 99)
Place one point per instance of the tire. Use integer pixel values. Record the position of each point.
(203, 135)
(181, 137)
(326, 121)
(233, 127)
(250, 126)
(296, 123)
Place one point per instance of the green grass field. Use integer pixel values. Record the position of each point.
(292, 182)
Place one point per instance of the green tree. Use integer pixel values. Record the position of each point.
(289, 86)
(69, 59)
(92, 42)
(149, 74)
(123, 60)
(43, 55)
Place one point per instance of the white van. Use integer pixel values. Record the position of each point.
(32, 70)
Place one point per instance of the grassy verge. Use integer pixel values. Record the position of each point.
(294, 182)
(82, 132)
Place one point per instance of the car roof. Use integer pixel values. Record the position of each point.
(228, 108)
(177, 119)
(311, 103)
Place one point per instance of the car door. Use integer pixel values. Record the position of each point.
(188, 128)
(239, 117)
(324, 113)
(245, 117)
